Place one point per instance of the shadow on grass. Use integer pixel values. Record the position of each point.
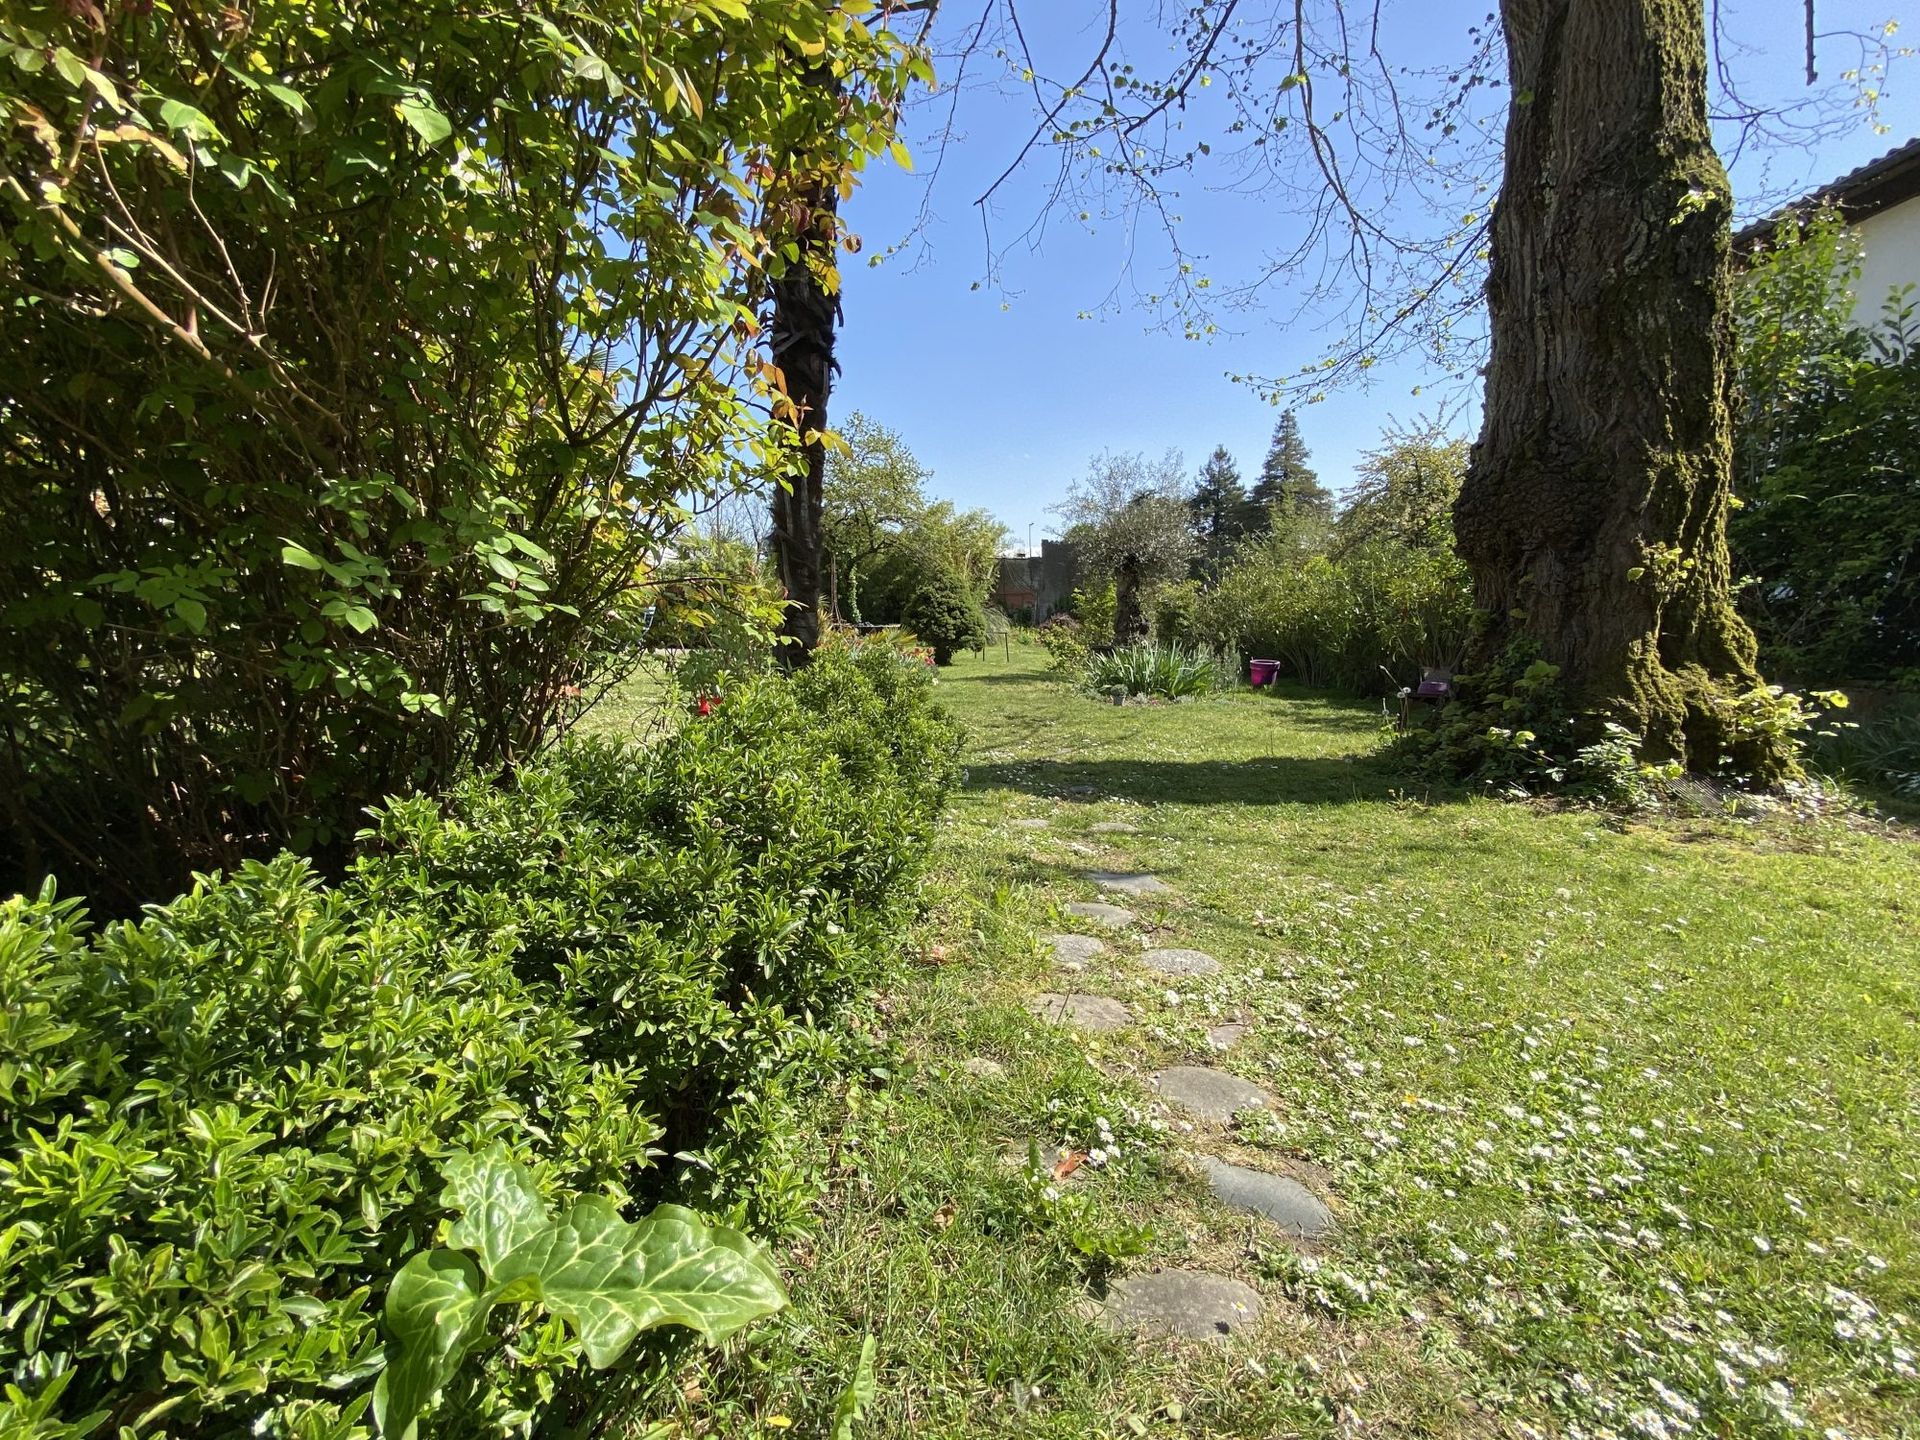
(1001, 677)
(1281, 780)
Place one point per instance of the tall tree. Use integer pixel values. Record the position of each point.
(1594, 513)
(1219, 510)
(1128, 520)
(1286, 480)
(1404, 490)
(806, 312)
(1607, 419)
(872, 495)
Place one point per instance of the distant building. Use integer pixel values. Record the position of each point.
(1881, 204)
(1035, 587)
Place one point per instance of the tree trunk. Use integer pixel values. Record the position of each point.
(1129, 619)
(1594, 512)
(805, 316)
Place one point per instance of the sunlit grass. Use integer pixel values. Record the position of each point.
(1618, 1118)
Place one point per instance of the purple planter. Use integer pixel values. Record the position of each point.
(1260, 672)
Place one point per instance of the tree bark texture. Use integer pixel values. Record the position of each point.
(1129, 616)
(1594, 512)
(805, 316)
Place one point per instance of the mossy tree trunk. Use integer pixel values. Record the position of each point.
(805, 316)
(1594, 512)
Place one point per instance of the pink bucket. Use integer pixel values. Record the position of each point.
(1262, 671)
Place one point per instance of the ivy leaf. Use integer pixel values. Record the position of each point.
(499, 1207)
(609, 1279)
(612, 1280)
(425, 118)
(435, 1307)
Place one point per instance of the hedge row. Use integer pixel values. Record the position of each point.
(227, 1126)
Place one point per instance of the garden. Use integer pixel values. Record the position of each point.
(541, 895)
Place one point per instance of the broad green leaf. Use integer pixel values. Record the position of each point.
(287, 96)
(612, 1280)
(188, 119)
(435, 1307)
(500, 1209)
(425, 118)
(299, 556)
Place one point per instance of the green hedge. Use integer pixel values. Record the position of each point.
(227, 1126)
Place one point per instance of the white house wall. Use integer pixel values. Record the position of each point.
(1891, 241)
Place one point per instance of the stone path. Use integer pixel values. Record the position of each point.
(1181, 1304)
(1210, 1094)
(1113, 827)
(1281, 1198)
(1097, 1013)
(1181, 962)
(1072, 952)
(1105, 914)
(1129, 883)
(1188, 1304)
(1225, 1037)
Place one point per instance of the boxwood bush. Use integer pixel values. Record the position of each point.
(227, 1126)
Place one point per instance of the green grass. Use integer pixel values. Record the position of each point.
(1618, 1118)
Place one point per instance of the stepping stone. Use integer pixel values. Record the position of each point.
(1113, 827)
(1072, 952)
(1282, 1199)
(1211, 1094)
(1030, 824)
(1097, 1013)
(981, 1068)
(1188, 1304)
(1225, 1037)
(1181, 962)
(1105, 914)
(1130, 884)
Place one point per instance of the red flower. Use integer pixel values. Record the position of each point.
(707, 702)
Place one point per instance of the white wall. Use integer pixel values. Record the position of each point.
(1891, 241)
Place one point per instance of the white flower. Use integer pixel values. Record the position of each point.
(1763, 1245)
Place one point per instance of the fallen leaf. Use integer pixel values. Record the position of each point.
(1069, 1162)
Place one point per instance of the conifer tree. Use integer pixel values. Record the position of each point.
(1286, 479)
(1220, 510)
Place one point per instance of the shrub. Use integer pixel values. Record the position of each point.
(352, 472)
(1065, 643)
(1880, 748)
(1339, 621)
(1094, 606)
(946, 615)
(1175, 610)
(1163, 670)
(229, 1127)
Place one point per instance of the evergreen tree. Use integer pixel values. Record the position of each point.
(1220, 511)
(1286, 479)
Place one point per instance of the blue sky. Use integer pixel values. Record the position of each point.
(1005, 386)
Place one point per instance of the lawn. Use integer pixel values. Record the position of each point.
(1617, 1118)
